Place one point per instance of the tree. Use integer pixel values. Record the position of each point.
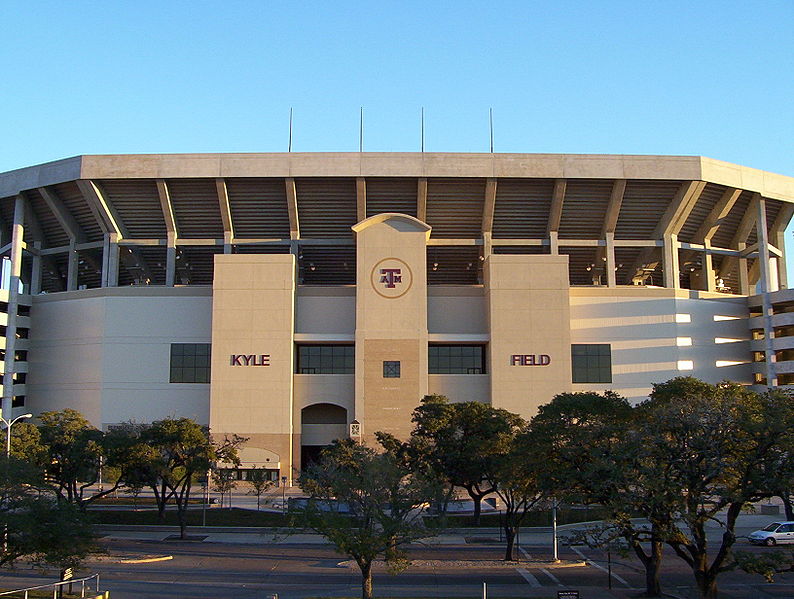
(172, 453)
(260, 483)
(590, 457)
(40, 528)
(517, 484)
(71, 451)
(367, 504)
(715, 448)
(224, 483)
(461, 442)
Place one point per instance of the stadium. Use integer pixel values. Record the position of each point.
(296, 298)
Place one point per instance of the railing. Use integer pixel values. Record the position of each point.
(56, 586)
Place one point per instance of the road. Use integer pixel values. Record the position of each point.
(296, 571)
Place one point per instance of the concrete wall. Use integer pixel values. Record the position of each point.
(651, 330)
(106, 353)
(461, 387)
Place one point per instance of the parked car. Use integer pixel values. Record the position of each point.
(775, 533)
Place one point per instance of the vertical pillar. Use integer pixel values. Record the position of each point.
(111, 256)
(170, 261)
(765, 288)
(17, 234)
(672, 278)
(707, 269)
(782, 276)
(554, 245)
(744, 278)
(610, 256)
(73, 263)
(35, 275)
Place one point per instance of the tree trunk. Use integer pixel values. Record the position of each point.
(510, 537)
(366, 580)
(707, 585)
(786, 497)
(477, 508)
(652, 567)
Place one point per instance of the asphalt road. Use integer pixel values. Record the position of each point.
(213, 570)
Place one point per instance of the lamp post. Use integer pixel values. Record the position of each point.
(9, 424)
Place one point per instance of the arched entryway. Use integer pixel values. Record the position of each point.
(321, 423)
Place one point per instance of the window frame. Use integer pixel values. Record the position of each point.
(192, 367)
(597, 366)
(434, 363)
(331, 358)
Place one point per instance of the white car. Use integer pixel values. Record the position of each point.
(775, 533)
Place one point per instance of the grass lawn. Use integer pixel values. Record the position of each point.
(215, 517)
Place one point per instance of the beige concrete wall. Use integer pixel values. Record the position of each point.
(106, 353)
(391, 321)
(651, 330)
(456, 310)
(461, 387)
(325, 310)
(528, 313)
(253, 314)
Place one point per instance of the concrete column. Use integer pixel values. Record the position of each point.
(672, 277)
(170, 261)
(707, 269)
(110, 261)
(17, 234)
(554, 245)
(744, 278)
(35, 276)
(764, 272)
(610, 256)
(73, 263)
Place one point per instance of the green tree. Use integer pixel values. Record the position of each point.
(462, 441)
(40, 529)
(260, 482)
(173, 453)
(517, 483)
(713, 448)
(223, 482)
(367, 504)
(590, 457)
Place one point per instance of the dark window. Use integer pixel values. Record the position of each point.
(190, 362)
(18, 401)
(591, 363)
(456, 359)
(326, 359)
(391, 370)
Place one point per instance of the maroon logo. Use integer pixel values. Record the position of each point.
(250, 360)
(530, 360)
(391, 276)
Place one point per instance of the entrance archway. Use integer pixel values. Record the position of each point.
(321, 423)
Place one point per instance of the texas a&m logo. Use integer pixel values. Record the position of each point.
(391, 278)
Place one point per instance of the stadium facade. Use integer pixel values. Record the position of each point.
(297, 298)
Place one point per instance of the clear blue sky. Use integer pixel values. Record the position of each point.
(709, 78)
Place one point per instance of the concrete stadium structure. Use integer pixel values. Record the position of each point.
(297, 298)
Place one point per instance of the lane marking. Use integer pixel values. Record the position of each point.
(600, 567)
(554, 579)
(529, 577)
(524, 551)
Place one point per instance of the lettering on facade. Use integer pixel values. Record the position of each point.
(391, 278)
(530, 360)
(250, 360)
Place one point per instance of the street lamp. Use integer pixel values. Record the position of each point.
(9, 424)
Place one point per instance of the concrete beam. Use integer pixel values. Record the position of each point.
(292, 208)
(62, 215)
(361, 198)
(226, 215)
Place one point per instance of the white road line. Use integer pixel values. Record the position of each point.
(554, 579)
(602, 568)
(533, 582)
(524, 551)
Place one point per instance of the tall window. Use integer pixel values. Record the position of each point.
(591, 363)
(326, 359)
(456, 359)
(190, 362)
